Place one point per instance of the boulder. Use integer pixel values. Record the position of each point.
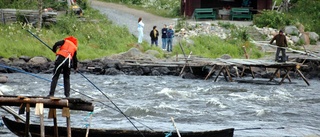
(295, 39)
(226, 56)
(305, 38)
(3, 79)
(113, 71)
(38, 60)
(313, 36)
(292, 30)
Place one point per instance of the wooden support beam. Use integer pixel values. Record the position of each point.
(274, 74)
(53, 114)
(66, 113)
(222, 67)
(39, 111)
(287, 74)
(228, 73)
(304, 78)
(210, 72)
(27, 126)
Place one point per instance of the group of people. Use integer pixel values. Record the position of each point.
(66, 56)
(167, 35)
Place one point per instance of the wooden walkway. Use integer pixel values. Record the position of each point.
(223, 66)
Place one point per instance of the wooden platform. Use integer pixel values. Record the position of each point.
(223, 66)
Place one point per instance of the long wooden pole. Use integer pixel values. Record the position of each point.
(174, 124)
(87, 133)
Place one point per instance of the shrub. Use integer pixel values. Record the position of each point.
(273, 19)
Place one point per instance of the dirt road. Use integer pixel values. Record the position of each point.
(128, 17)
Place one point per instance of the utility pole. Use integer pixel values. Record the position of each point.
(40, 4)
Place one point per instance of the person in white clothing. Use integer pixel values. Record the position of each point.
(140, 30)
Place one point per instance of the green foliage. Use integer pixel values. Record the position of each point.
(19, 4)
(273, 19)
(241, 34)
(103, 39)
(214, 47)
(307, 13)
(227, 25)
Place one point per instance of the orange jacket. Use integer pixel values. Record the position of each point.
(69, 47)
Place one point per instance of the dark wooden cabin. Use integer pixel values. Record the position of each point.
(188, 6)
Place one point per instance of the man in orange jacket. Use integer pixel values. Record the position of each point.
(66, 56)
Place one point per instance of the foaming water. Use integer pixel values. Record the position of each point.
(196, 105)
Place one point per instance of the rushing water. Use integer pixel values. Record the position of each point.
(196, 105)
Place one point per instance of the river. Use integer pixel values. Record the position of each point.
(196, 105)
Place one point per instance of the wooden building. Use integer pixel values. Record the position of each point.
(188, 6)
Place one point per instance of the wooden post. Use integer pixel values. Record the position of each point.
(184, 66)
(247, 57)
(39, 111)
(228, 73)
(26, 131)
(66, 113)
(53, 114)
(40, 14)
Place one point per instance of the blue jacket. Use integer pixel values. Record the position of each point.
(170, 33)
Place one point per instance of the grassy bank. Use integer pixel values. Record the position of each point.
(98, 37)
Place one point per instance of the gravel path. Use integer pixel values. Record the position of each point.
(124, 16)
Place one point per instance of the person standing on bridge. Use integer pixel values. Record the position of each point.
(66, 55)
(170, 35)
(164, 37)
(154, 34)
(140, 30)
(281, 42)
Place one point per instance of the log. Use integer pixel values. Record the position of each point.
(5, 101)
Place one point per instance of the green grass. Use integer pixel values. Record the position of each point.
(214, 47)
(97, 37)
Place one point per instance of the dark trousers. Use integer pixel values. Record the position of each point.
(154, 42)
(283, 54)
(61, 65)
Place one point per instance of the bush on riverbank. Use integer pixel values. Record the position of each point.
(298, 13)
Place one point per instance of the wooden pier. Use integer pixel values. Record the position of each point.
(223, 66)
(26, 102)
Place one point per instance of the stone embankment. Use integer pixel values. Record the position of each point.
(114, 65)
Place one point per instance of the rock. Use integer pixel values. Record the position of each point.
(110, 63)
(113, 71)
(153, 53)
(313, 36)
(38, 60)
(5, 61)
(292, 30)
(25, 58)
(226, 56)
(18, 62)
(3, 79)
(295, 39)
(305, 38)
(155, 73)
